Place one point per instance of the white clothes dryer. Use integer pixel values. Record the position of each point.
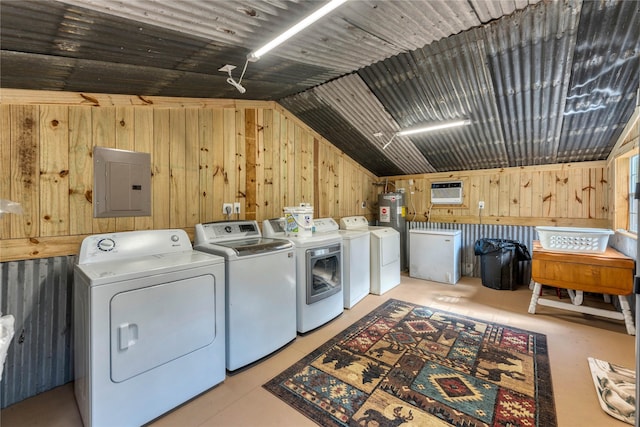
(148, 325)
(319, 272)
(260, 288)
(385, 253)
(357, 274)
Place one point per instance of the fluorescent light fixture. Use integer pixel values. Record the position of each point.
(256, 54)
(428, 128)
(433, 127)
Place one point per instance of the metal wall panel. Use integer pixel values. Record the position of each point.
(509, 78)
(529, 56)
(348, 99)
(604, 82)
(447, 80)
(325, 120)
(38, 293)
(355, 35)
(357, 104)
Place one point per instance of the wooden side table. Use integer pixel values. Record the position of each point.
(609, 273)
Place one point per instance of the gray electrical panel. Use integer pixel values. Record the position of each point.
(121, 183)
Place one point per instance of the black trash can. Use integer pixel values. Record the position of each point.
(500, 262)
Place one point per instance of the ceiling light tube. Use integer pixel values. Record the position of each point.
(426, 129)
(433, 127)
(256, 54)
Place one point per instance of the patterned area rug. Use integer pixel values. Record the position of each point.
(405, 364)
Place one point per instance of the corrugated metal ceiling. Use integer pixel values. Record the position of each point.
(542, 82)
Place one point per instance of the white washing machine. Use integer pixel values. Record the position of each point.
(261, 288)
(148, 325)
(356, 252)
(318, 272)
(385, 253)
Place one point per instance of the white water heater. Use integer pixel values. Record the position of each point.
(392, 213)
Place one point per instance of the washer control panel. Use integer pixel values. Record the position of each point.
(325, 225)
(226, 230)
(354, 222)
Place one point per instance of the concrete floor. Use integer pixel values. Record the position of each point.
(241, 400)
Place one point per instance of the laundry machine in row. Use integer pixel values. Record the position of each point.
(319, 271)
(260, 288)
(149, 325)
(356, 279)
(384, 261)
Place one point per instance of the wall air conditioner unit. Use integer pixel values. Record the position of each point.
(446, 193)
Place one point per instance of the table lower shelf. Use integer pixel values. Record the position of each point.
(576, 305)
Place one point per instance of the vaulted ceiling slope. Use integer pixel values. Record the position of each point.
(541, 82)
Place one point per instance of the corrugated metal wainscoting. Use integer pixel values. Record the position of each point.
(38, 293)
(472, 232)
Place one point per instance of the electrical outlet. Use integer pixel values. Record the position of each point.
(227, 208)
(363, 205)
(481, 205)
(236, 207)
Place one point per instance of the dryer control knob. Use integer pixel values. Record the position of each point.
(174, 238)
(106, 245)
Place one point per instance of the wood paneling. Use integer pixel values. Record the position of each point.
(5, 172)
(80, 171)
(160, 169)
(177, 169)
(143, 140)
(217, 167)
(208, 152)
(54, 170)
(192, 166)
(619, 172)
(574, 194)
(25, 167)
(125, 140)
(203, 153)
(103, 134)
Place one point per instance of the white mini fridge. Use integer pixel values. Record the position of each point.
(435, 255)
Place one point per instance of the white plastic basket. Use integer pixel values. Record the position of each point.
(571, 239)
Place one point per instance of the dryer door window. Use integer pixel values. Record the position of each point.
(154, 325)
(324, 273)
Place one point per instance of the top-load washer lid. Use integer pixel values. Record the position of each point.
(255, 246)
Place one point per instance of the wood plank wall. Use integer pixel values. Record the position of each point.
(619, 169)
(203, 153)
(206, 152)
(574, 194)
